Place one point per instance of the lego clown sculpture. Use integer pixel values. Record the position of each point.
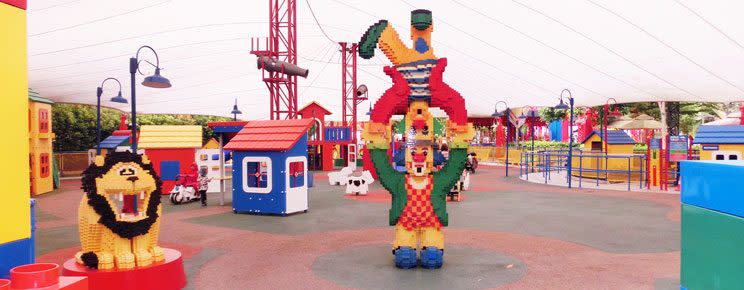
(418, 209)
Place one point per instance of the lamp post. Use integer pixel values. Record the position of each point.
(235, 111)
(117, 99)
(605, 118)
(532, 123)
(532, 132)
(497, 114)
(153, 81)
(562, 106)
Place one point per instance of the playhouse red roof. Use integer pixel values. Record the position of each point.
(275, 135)
(313, 105)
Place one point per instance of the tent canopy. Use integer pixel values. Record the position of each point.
(523, 52)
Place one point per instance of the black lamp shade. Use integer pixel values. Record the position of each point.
(119, 99)
(156, 81)
(561, 106)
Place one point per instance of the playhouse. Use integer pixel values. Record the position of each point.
(270, 167)
(720, 142)
(593, 161)
(323, 140)
(40, 138)
(118, 140)
(172, 149)
(16, 234)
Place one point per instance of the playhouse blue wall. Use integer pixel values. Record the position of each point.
(274, 202)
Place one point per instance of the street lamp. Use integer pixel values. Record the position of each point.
(235, 111)
(497, 114)
(562, 106)
(153, 81)
(117, 99)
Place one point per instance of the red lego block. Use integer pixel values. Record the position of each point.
(17, 3)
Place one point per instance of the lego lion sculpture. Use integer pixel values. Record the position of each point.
(119, 216)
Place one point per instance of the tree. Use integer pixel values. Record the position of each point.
(75, 125)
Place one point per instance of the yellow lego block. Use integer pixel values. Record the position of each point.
(377, 135)
(14, 174)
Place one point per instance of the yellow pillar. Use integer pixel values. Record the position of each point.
(14, 172)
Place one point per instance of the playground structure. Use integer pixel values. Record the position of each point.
(324, 138)
(40, 143)
(720, 142)
(419, 195)
(171, 148)
(278, 59)
(270, 167)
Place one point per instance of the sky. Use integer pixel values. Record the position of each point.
(521, 52)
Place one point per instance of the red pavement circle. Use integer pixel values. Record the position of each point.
(168, 275)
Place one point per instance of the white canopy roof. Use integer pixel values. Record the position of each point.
(521, 51)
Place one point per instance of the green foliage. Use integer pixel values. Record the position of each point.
(75, 125)
(550, 114)
(542, 145)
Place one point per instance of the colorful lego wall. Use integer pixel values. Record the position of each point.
(15, 211)
(40, 146)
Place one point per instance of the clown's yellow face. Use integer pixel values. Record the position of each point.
(419, 160)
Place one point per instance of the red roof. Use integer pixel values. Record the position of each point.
(227, 123)
(313, 105)
(275, 135)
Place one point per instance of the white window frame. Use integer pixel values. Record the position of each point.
(726, 154)
(269, 174)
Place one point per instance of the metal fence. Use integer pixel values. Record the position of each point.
(612, 168)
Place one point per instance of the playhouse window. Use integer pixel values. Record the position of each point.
(256, 174)
(43, 121)
(44, 165)
(596, 145)
(296, 174)
(733, 157)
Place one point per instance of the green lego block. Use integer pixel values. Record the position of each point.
(712, 249)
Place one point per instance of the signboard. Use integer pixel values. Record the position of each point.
(710, 147)
(655, 144)
(678, 148)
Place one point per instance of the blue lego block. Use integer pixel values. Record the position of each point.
(20, 252)
(169, 170)
(682, 288)
(14, 254)
(405, 258)
(432, 258)
(714, 185)
(215, 157)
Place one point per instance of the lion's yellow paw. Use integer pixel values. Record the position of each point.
(158, 254)
(125, 261)
(143, 258)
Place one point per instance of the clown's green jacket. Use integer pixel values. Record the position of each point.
(395, 182)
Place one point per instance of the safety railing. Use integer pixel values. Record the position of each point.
(612, 168)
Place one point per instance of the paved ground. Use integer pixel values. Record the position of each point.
(506, 234)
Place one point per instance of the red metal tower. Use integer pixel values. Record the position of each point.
(280, 45)
(349, 95)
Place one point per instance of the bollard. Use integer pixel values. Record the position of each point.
(34, 276)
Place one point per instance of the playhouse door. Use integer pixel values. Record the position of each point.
(352, 154)
(296, 184)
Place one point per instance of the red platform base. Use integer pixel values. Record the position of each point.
(167, 275)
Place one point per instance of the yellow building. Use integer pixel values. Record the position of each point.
(720, 142)
(619, 157)
(16, 245)
(40, 138)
